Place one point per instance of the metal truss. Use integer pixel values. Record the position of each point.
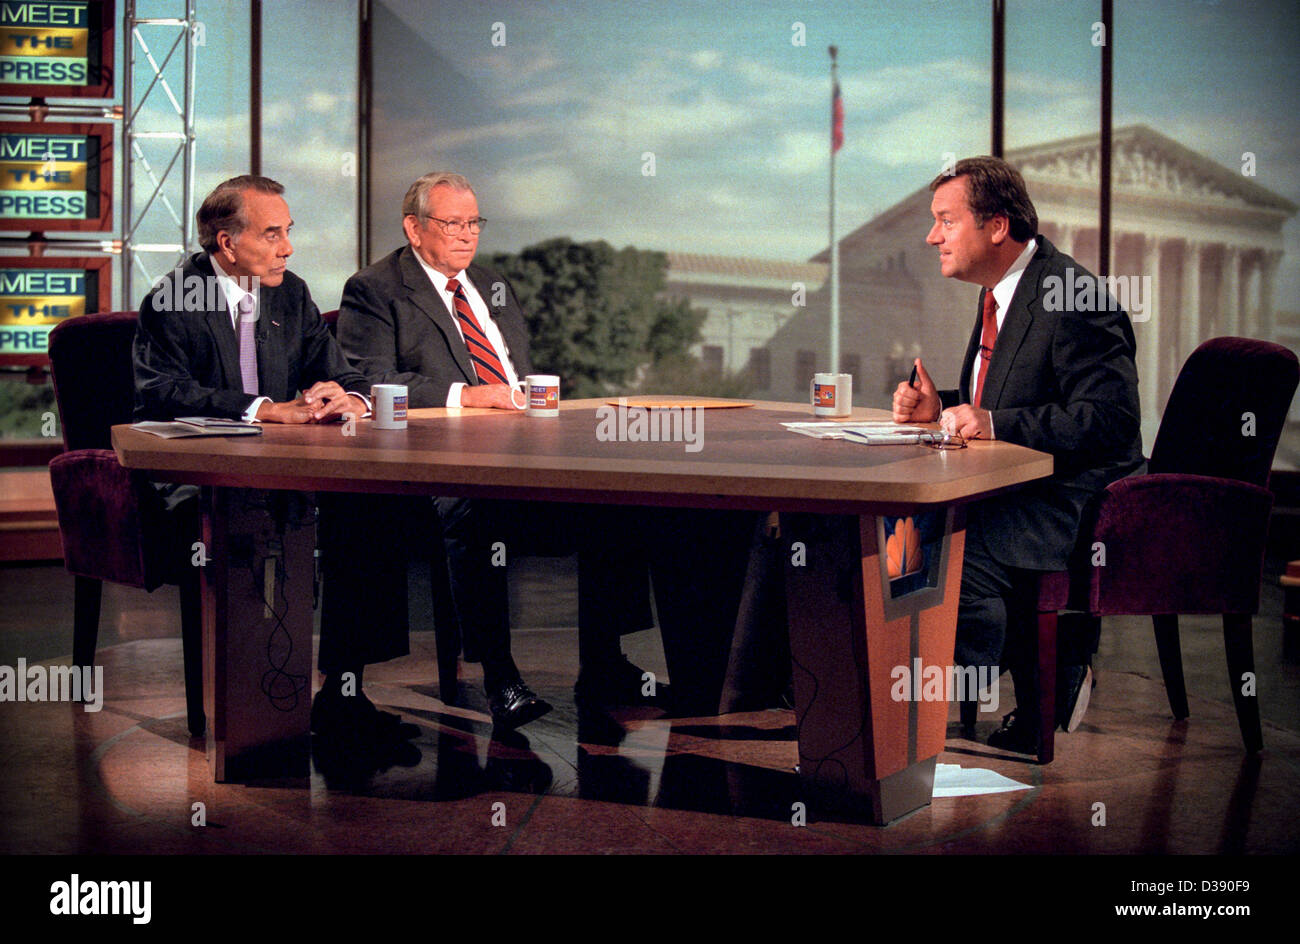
(158, 141)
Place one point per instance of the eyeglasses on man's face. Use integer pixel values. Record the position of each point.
(456, 227)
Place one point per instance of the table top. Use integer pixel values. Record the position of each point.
(725, 458)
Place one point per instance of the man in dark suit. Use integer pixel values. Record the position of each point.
(1042, 372)
(188, 357)
(233, 333)
(397, 320)
(454, 333)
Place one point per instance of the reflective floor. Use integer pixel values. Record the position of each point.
(129, 779)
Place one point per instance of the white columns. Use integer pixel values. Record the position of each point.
(1248, 322)
(1065, 238)
(1147, 334)
(1189, 335)
(1267, 275)
(1230, 293)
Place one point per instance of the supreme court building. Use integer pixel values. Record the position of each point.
(1199, 245)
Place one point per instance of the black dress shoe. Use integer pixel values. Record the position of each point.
(355, 718)
(619, 683)
(515, 705)
(1015, 735)
(1074, 689)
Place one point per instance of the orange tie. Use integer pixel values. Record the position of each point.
(987, 337)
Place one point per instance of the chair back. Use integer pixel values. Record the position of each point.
(331, 319)
(94, 381)
(1226, 411)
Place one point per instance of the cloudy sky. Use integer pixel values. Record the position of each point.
(556, 112)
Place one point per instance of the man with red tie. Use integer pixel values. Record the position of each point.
(426, 316)
(1042, 372)
(454, 333)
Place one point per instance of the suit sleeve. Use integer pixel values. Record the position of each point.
(162, 355)
(322, 358)
(1085, 409)
(369, 335)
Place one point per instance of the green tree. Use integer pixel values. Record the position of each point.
(597, 316)
(23, 406)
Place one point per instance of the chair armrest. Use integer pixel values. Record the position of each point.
(100, 517)
(1175, 543)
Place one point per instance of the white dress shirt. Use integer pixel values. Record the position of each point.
(1003, 292)
(481, 313)
(234, 294)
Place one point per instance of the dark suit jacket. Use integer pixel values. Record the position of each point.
(395, 329)
(1062, 382)
(187, 361)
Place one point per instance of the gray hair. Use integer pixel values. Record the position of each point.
(416, 201)
(223, 208)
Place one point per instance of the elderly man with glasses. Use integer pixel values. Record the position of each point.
(453, 332)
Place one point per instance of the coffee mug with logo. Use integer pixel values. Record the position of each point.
(542, 393)
(831, 394)
(388, 406)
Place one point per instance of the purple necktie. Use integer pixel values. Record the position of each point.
(247, 344)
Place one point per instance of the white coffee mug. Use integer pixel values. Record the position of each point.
(542, 395)
(388, 406)
(831, 394)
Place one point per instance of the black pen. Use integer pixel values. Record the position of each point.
(911, 381)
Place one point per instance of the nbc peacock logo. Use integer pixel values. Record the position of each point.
(903, 553)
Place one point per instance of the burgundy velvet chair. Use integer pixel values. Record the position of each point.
(113, 522)
(1188, 537)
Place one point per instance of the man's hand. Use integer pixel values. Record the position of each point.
(294, 411)
(494, 396)
(919, 404)
(328, 402)
(969, 422)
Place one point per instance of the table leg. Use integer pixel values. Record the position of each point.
(868, 736)
(257, 624)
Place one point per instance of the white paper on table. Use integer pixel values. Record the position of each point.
(953, 780)
(832, 429)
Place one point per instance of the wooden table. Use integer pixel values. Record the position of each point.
(861, 746)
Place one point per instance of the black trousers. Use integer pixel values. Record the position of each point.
(707, 592)
(997, 621)
(366, 541)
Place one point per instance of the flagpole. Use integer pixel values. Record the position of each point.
(835, 244)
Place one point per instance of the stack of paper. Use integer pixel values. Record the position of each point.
(198, 426)
(884, 434)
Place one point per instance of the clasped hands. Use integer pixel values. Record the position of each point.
(325, 402)
(921, 404)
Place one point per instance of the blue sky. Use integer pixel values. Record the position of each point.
(553, 125)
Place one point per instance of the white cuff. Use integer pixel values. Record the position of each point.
(364, 399)
(250, 415)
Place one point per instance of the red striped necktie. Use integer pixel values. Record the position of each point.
(486, 363)
(988, 335)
